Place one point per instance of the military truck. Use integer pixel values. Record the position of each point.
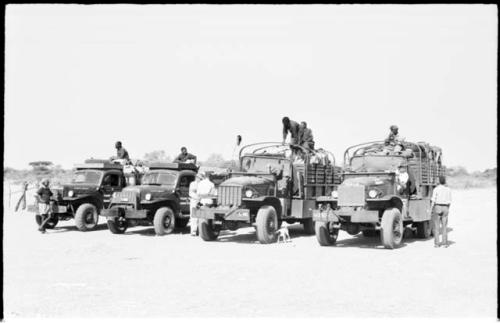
(383, 190)
(162, 199)
(275, 183)
(88, 193)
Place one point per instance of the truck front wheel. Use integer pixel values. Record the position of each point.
(86, 217)
(326, 234)
(164, 221)
(207, 231)
(267, 224)
(117, 225)
(392, 228)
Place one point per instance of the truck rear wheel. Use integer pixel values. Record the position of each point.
(267, 224)
(207, 231)
(392, 228)
(117, 225)
(164, 221)
(308, 226)
(86, 217)
(326, 234)
(51, 224)
(424, 229)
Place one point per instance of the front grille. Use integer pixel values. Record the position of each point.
(229, 195)
(351, 195)
(125, 198)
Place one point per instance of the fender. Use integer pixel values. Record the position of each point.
(266, 200)
(164, 201)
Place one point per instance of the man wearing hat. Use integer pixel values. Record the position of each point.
(43, 195)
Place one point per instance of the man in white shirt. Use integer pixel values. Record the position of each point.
(440, 207)
(199, 193)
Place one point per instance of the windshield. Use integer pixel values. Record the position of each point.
(92, 177)
(376, 163)
(159, 178)
(262, 165)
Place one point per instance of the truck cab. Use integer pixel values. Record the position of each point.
(382, 191)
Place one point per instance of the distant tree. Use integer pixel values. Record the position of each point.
(157, 155)
(457, 171)
(214, 160)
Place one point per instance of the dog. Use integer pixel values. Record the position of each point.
(283, 233)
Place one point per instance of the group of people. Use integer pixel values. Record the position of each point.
(300, 134)
(122, 156)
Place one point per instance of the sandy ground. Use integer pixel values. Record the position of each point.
(67, 273)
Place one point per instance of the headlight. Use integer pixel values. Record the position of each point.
(71, 194)
(373, 194)
(148, 196)
(335, 194)
(248, 193)
(114, 195)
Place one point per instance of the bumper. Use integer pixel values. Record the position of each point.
(353, 216)
(128, 213)
(213, 213)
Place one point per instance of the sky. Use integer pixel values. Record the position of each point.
(158, 77)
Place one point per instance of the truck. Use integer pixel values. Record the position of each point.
(274, 183)
(162, 200)
(87, 194)
(383, 191)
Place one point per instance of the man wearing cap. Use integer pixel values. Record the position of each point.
(185, 157)
(306, 139)
(393, 138)
(292, 127)
(43, 195)
(440, 207)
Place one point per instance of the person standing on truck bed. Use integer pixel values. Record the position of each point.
(292, 127)
(306, 138)
(440, 207)
(185, 157)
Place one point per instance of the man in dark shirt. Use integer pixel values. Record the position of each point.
(43, 195)
(121, 153)
(185, 157)
(306, 139)
(292, 127)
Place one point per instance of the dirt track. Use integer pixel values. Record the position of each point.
(98, 274)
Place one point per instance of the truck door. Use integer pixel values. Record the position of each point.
(183, 190)
(111, 182)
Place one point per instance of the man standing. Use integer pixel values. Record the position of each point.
(440, 207)
(292, 127)
(43, 195)
(194, 200)
(185, 157)
(121, 153)
(306, 139)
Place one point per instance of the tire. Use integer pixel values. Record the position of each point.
(309, 226)
(267, 224)
(117, 226)
(207, 231)
(424, 229)
(86, 217)
(164, 221)
(49, 225)
(181, 223)
(392, 228)
(325, 234)
(370, 233)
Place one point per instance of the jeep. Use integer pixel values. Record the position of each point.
(382, 192)
(275, 183)
(162, 199)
